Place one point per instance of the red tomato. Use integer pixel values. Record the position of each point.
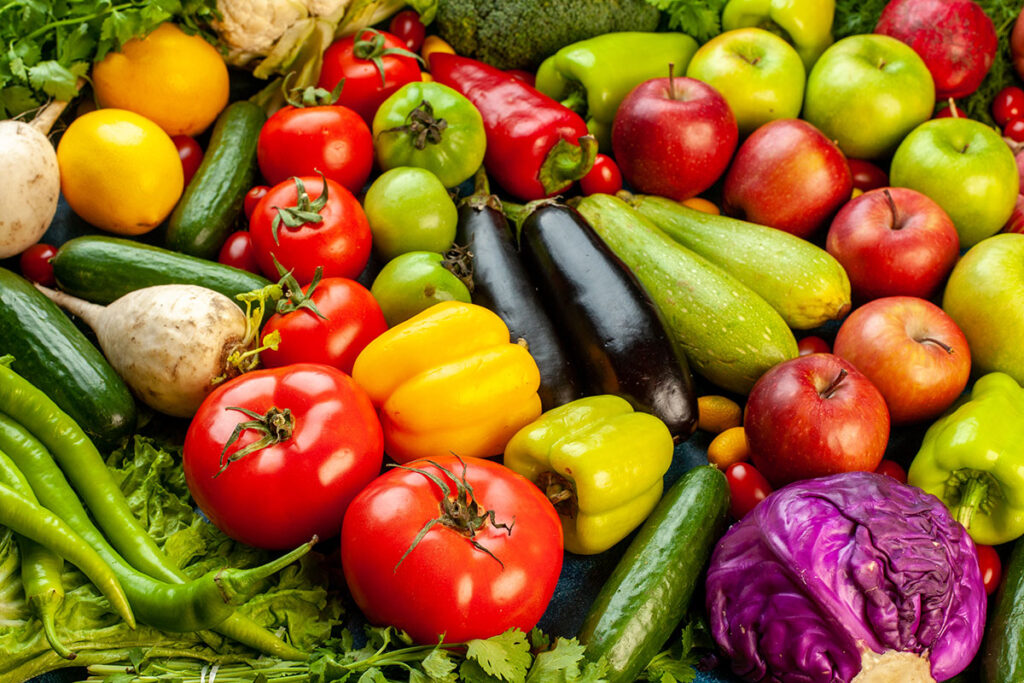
(35, 264)
(1008, 104)
(190, 153)
(253, 197)
(461, 586)
(366, 85)
(866, 175)
(603, 178)
(237, 252)
(280, 495)
(892, 469)
(407, 27)
(747, 488)
(812, 344)
(991, 567)
(352, 318)
(1014, 129)
(339, 242)
(309, 140)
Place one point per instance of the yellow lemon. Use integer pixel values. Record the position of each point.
(119, 171)
(177, 80)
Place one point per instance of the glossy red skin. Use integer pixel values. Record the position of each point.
(603, 178)
(1008, 104)
(1014, 129)
(281, 495)
(1016, 220)
(252, 198)
(812, 344)
(407, 27)
(523, 75)
(1017, 44)
(190, 153)
(747, 488)
(364, 90)
(353, 320)
(787, 175)
(955, 38)
(889, 340)
(950, 111)
(910, 252)
(35, 265)
(237, 252)
(340, 243)
(331, 140)
(795, 432)
(445, 585)
(522, 124)
(991, 567)
(891, 468)
(674, 146)
(866, 176)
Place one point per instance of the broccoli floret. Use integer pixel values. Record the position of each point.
(520, 34)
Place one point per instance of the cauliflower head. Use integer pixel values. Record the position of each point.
(251, 28)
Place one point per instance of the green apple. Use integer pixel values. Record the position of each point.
(966, 168)
(983, 297)
(867, 92)
(758, 73)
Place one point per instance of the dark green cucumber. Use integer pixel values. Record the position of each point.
(1002, 652)
(100, 269)
(54, 355)
(640, 606)
(213, 200)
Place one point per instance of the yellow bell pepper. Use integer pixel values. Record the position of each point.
(449, 380)
(600, 463)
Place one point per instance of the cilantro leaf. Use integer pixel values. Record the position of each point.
(15, 99)
(438, 665)
(558, 665)
(57, 80)
(505, 656)
(701, 19)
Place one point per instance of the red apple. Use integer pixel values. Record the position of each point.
(955, 38)
(893, 241)
(673, 137)
(813, 416)
(1016, 220)
(789, 176)
(866, 175)
(911, 350)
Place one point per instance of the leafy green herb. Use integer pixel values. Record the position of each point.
(678, 663)
(700, 19)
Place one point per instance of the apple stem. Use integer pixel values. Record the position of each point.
(953, 110)
(945, 347)
(671, 80)
(831, 388)
(892, 207)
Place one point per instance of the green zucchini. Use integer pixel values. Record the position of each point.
(641, 604)
(213, 200)
(101, 269)
(1002, 652)
(56, 356)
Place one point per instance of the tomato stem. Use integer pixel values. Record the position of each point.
(373, 49)
(275, 426)
(422, 126)
(305, 210)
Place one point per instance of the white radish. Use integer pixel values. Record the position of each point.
(29, 180)
(171, 344)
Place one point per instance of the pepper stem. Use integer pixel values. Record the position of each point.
(238, 585)
(973, 495)
(566, 162)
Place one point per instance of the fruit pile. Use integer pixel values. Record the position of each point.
(469, 340)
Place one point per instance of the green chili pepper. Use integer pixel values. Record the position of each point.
(805, 24)
(593, 76)
(972, 458)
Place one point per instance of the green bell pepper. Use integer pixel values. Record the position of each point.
(593, 76)
(600, 463)
(972, 459)
(805, 24)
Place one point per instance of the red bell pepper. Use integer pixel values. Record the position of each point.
(536, 147)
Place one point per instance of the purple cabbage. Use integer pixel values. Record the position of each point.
(824, 572)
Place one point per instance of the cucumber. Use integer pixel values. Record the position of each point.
(101, 269)
(213, 200)
(641, 604)
(54, 355)
(803, 282)
(729, 334)
(1002, 652)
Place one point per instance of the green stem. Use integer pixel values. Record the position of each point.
(566, 162)
(973, 494)
(237, 585)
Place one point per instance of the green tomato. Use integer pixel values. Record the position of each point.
(414, 282)
(431, 126)
(409, 210)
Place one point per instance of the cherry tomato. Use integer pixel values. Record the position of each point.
(407, 27)
(190, 153)
(812, 344)
(463, 585)
(322, 453)
(866, 175)
(603, 178)
(991, 567)
(237, 252)
(252, 198)
(1014, 129)
(747, 488)
(892, 469)
(305, 141)
(329, 323)
(1008, 104)
(366, 86)
(35, 264)
(339, 242)
(523, 75)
